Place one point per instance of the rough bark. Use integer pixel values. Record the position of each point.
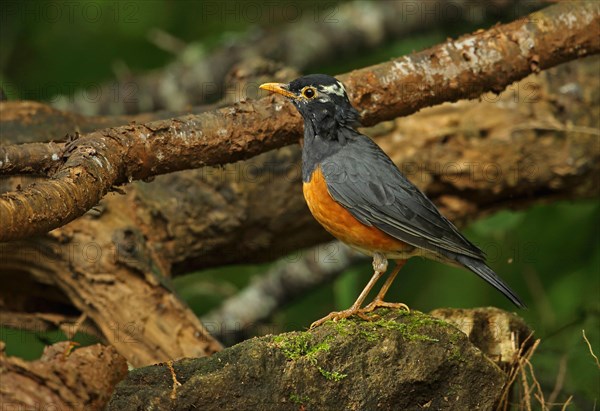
(110, 277)
(333, 33)
(401, 361)
(35, 122)
(62, 379)
(490, 60)
(474, 64)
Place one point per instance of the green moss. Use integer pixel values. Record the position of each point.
(342, 327)
(369, 335)
(332, 375)
(295, 346)
(370, 330)
(456, 355)
(411, 327)
(311, 355)
(298, 399)
(300, 346)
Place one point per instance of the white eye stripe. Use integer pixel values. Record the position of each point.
(337, 88)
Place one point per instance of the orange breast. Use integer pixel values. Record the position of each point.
(339, 222)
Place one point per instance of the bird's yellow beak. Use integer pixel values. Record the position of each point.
(278, 88)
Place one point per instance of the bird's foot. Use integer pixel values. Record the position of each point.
(376, 303)
(339, 315)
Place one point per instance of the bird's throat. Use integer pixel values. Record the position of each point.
(315, 149)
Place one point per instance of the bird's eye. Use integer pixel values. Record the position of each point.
(309, 92)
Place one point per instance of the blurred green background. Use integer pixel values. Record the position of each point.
(550, 253)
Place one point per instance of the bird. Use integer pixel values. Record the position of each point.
(357, 193)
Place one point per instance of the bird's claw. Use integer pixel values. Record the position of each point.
(361, 313)
(379, 303)
(334, 316)
(339, 315)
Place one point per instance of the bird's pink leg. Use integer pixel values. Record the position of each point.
(379, 267)
(378, 300)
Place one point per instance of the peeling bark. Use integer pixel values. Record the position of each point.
(33, 158)
(476, 63)
(490, 60)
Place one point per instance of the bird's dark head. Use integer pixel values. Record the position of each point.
(321, 100)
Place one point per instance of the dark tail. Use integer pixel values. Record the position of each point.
(481, 269)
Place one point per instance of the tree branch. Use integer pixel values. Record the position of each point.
(35, 122)
(40, 322)
(31, 158)
(338, 31)
(477, 63)
(490, 60)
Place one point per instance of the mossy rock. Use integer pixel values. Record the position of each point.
(400, 361)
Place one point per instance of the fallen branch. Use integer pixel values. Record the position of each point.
(463, 68)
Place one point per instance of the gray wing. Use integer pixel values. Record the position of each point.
(363, 179)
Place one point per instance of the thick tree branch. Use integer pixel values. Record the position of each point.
(490, 60)
(35, 122)
(110, 277)
(31, 158)
(474, 64)
(333, 32)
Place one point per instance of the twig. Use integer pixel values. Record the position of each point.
(518, 363)
(590, 348)
(566, 404)
(539, 394)
(560, 379)
(176, 383)
(75, 328)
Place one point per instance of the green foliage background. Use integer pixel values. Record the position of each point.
(549, 253)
